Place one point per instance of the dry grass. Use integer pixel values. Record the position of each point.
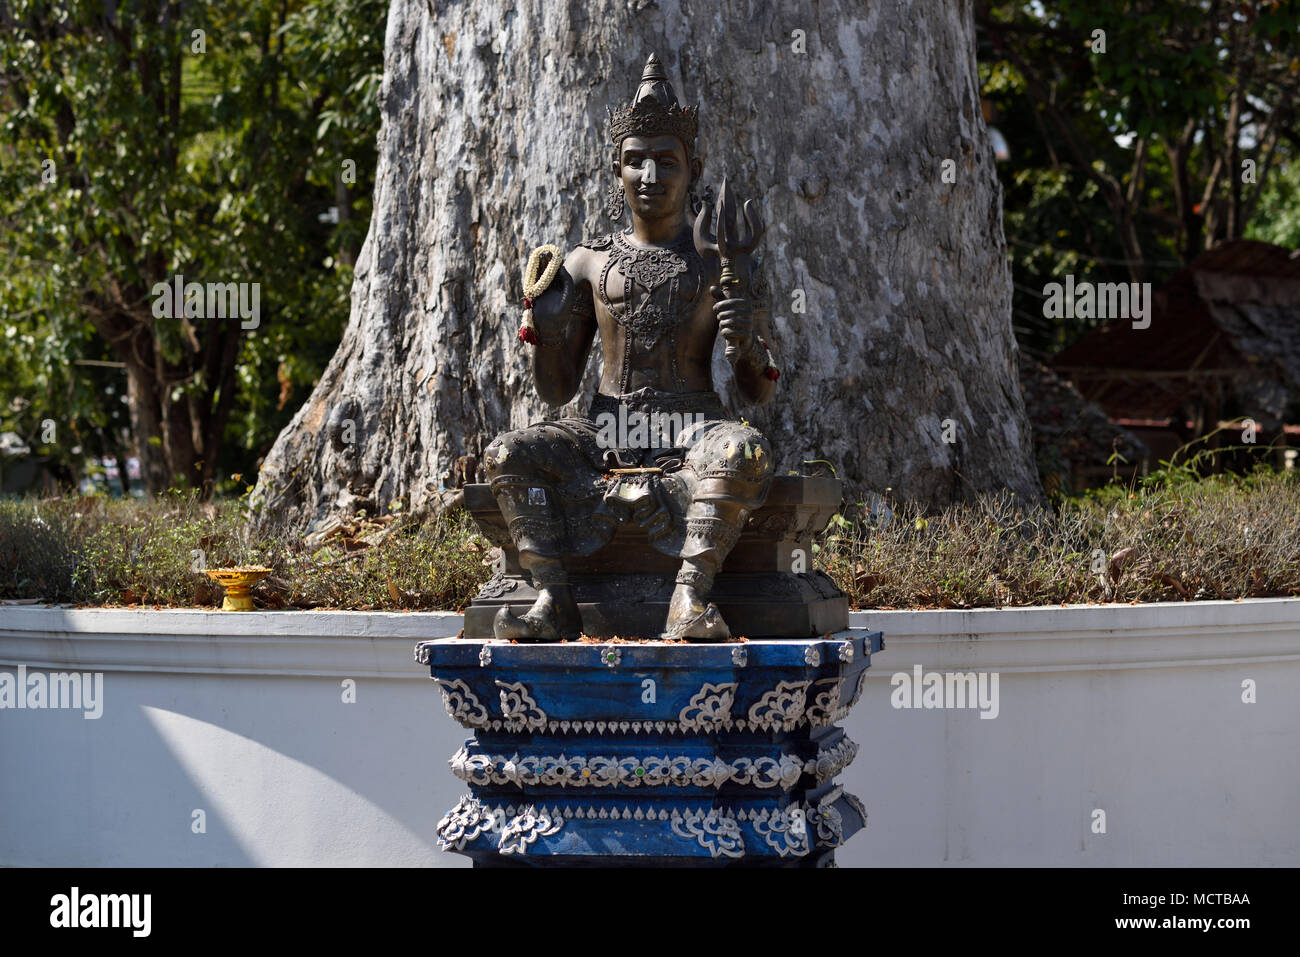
(1173, 538)
(110, 552)
(1168, 540)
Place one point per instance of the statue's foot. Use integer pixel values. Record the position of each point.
(525, 627)
(690, 617)
(550, 619)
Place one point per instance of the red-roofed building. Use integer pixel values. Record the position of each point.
(1223, 345)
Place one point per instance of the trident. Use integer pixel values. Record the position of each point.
(729, 242)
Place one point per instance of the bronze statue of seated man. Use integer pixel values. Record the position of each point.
(656, 447)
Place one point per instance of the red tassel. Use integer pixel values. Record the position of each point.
(528, 335)
(772, 372)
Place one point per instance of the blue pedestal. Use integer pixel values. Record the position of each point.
(652, 754)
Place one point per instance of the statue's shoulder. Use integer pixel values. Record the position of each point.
(599, 243)
(587, 258)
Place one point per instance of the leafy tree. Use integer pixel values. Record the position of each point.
(1277, 217)
(1142, 133)
(149, 139)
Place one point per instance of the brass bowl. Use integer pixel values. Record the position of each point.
(237, 582)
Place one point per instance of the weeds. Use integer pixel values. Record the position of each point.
(110, 552)
(1173, 536)
(1168, 538)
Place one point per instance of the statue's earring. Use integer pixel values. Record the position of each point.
(699, 200)
(614, 207)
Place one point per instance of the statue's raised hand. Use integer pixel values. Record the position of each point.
(735, 322)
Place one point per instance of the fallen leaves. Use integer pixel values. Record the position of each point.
(353, 534)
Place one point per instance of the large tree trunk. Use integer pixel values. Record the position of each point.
(493, 141)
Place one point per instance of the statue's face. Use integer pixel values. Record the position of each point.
(656, 175)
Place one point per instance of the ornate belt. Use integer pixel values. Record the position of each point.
(652, 400)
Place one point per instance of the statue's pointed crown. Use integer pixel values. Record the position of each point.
(655, 111)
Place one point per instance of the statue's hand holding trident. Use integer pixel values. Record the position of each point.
(732, 309)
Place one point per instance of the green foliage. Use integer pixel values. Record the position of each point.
(216, 165)
(1277, 218)
(1112, 175)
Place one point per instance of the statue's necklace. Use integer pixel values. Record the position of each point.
(650, 266)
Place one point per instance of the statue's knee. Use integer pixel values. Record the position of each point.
(509, 454)
(750, 454)
(734, 465)
(497, 450)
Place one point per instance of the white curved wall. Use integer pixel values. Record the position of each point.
(240, 715)
(1135, 711)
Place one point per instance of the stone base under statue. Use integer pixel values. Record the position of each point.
(652, 754)
(767, 588)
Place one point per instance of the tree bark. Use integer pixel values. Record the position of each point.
(146, 424)
(494, 140)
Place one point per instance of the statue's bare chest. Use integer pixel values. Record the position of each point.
(652, 294)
